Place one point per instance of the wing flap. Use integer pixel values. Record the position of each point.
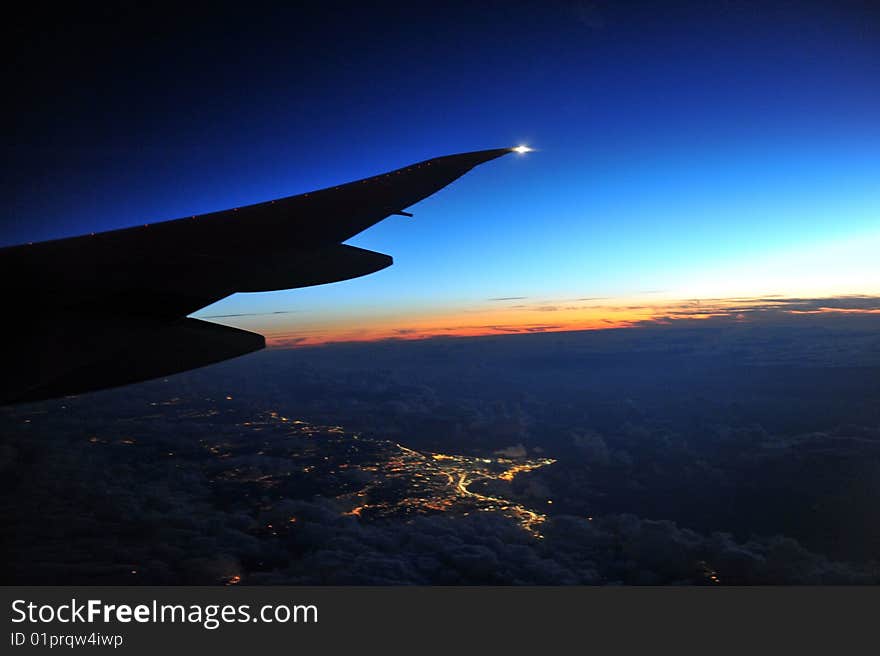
(162, 350)
(322, 266)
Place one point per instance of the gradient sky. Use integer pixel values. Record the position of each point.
(684, 150)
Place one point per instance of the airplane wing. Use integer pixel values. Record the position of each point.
(111, 308)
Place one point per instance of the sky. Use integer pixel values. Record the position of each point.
(684, 151)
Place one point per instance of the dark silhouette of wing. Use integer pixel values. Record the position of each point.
(111, 308)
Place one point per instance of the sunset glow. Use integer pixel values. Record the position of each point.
(513, 317)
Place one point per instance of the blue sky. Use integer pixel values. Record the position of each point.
(682, 149)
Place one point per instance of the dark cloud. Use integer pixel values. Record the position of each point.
(524, 329)
(247, 314)
(837, 302)
(744, 451)
(515, 451)
(777, 305)
(769, 311)
(286, 342)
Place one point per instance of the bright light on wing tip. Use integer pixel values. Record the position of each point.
(522, 149)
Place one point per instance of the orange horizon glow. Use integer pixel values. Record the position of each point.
(474, 323)
(561, 317)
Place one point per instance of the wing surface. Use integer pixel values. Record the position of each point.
(110, 308)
